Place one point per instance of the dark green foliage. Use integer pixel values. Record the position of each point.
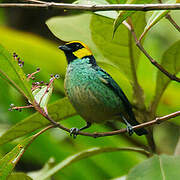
(84, 158)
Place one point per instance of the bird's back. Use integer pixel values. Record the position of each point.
(92, 91)
(90, 96)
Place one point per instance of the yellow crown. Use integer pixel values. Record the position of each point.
(80, 53)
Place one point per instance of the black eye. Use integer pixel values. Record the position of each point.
(77, 45)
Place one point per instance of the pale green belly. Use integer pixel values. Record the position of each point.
(95, 102)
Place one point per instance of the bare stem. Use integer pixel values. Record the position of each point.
(22, 107)
(173, 22)
(43, 130)
(34, 1)
(155, 63)
(137, 90)
(87, 7)
(12, 83)
(133, 141)
(158, 120)
(171, 19)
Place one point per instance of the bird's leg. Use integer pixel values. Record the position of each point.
(74, 131)
(129, 127)
(88, 124)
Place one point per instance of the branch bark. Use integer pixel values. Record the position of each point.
(171, 20)
(155, 63)
(158, 120)
(67, 6)
(168, 17)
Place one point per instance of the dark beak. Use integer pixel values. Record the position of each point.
(64, 48)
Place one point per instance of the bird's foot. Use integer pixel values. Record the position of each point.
(130, 129)
(74, 132)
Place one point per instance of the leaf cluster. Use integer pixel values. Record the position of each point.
(115, 49)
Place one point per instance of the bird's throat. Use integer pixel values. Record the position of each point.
(70, 57)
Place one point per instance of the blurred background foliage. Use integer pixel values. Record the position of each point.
(24, 31)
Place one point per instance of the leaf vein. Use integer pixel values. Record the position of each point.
(161, 168)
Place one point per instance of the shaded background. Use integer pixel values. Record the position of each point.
(24, 31)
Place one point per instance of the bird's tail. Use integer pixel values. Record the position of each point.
(140, 131)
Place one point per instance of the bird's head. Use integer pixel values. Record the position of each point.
(76, 50)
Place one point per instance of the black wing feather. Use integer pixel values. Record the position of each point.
(115, 87)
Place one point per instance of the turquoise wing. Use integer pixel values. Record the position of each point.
(109, 81)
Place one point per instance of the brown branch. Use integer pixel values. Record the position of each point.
(112, 126)
(172, 22)
(155, 63)
(168, 16)
(34, 1)
(158, 120)
(43, 130)
(37, 134)
(138, 92)
(87, 7)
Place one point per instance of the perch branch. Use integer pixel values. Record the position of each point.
(168, 16)
(34, 1)
(155, 63)
(158, 120)
(88, 7)
(172, 22)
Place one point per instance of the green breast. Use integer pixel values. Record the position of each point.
(92, 98)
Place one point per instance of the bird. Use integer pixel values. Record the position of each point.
(94, 94)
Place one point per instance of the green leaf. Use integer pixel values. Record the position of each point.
(35, 51)
(13, 73)
(121, 51)
(59, 110)
(161, 167)
(120, 178)
(156, 17)
(66, 31)
(19, 176)
(42, 96)
(123, 15)
(111, 1)
(170, 62)
(46, 167)
(109, 14)
(116, 1)
(9, 161)
(85, 154)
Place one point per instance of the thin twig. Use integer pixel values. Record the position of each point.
(142, 35)
(88, 7)
(158, 120)
(137, 89)
(39, 133)
(112, 126)
(12, 83)
(155, 63)
(22, 107)
(43, 130)
(177, 149)
(172, 22)
(40, 110)
(168, 16)
(34, 1)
